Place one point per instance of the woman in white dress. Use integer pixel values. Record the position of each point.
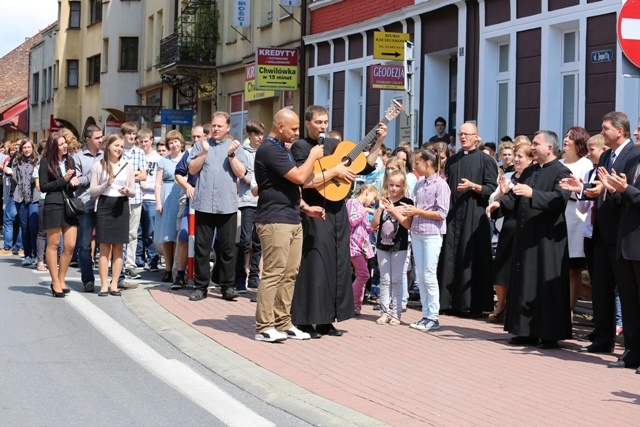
(575, 149)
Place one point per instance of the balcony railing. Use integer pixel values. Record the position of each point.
(187, 50)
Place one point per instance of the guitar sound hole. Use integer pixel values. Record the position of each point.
(346, 161)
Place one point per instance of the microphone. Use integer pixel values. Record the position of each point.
(321, 138)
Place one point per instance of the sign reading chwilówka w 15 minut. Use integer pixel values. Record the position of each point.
(277, 68)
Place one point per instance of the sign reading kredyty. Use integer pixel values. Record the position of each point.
(277, 69)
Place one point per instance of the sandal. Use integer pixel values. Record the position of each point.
(41, 267)
(356, 312)
(496, 317)
(382, 320)
(394, 322)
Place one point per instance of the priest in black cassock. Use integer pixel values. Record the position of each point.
(538, 307)
(323, 292)
(464, 270)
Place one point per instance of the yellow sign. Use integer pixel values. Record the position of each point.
(277, 68)
(389, 46)
(250, 91)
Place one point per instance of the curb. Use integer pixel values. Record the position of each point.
(239, 371)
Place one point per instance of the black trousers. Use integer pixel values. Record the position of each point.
(249, 239)
(603, 284)
(629, 288)
(226, 225)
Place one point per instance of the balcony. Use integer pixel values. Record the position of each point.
(183, 52)
(193, 44)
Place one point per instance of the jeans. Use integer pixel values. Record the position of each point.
(426, 252)
(249, 239)
(85, 232)
(41, 238)
(391, 271)
(361, 271)
(146, 250)
(8, 219)
(28, 215)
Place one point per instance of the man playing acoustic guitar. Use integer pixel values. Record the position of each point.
(323, 291)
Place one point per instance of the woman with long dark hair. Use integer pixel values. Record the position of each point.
(57, 176)
(26, 197)
(112, 181)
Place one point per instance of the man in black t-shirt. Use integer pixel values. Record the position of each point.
(441, 129)
(278, 224)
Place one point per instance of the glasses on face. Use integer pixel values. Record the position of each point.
(465, 134)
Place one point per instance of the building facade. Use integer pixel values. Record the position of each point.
(42, 82)
(511, 66)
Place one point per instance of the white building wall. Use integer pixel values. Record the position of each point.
(118, 88)
(41, 58)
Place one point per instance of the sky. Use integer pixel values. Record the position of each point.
(22, 19)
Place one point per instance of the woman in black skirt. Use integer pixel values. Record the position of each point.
(113, 181)
(57, 175)
(503, 259)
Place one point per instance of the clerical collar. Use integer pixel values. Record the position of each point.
(469, 151)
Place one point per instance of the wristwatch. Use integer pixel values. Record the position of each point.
(473, 187)
(232, 155)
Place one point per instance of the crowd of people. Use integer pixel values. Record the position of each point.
(426, 215)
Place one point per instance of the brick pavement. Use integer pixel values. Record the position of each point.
(464, 374)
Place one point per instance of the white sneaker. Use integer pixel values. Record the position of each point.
(271, 335)
(27, 261)
(294, 333)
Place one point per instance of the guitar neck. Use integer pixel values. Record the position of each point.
(365, 141)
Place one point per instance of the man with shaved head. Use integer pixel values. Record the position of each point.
(464, 271)
(279, 226)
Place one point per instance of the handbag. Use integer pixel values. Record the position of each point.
(73, 206)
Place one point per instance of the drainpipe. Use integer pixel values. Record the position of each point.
(303, 60)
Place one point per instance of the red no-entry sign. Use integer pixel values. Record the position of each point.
(629, 30)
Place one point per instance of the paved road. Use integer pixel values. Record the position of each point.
(85, 360)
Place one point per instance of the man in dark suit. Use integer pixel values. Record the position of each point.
(625, 188)
(616, 131)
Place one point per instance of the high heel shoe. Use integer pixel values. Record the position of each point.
(56, 294)
(66, 290)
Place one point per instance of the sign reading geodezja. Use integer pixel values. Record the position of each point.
(277, 68)
(250, 91)
(386, 77)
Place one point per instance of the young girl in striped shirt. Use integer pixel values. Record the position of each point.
(432, 198)
(360, 246)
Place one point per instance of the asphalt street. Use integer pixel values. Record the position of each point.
(86, 360)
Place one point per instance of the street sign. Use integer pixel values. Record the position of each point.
(277, 69)
(389, 46)
(599, 56)
(386, 77)
(629, 30)
(250, 91)
(176, 117)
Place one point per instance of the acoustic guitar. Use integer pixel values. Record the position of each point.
(351, 154)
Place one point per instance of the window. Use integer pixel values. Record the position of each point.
(74, 14)
(96, 11)
(238, 115)
(569, 71)
(266, 14)
(72, 73)
(503, 90)
(45, 84)
(35, 93)
(93, 70)
(128, 54)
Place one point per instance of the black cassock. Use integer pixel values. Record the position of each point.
(538, 298)
(323, 291)
(465, 266)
